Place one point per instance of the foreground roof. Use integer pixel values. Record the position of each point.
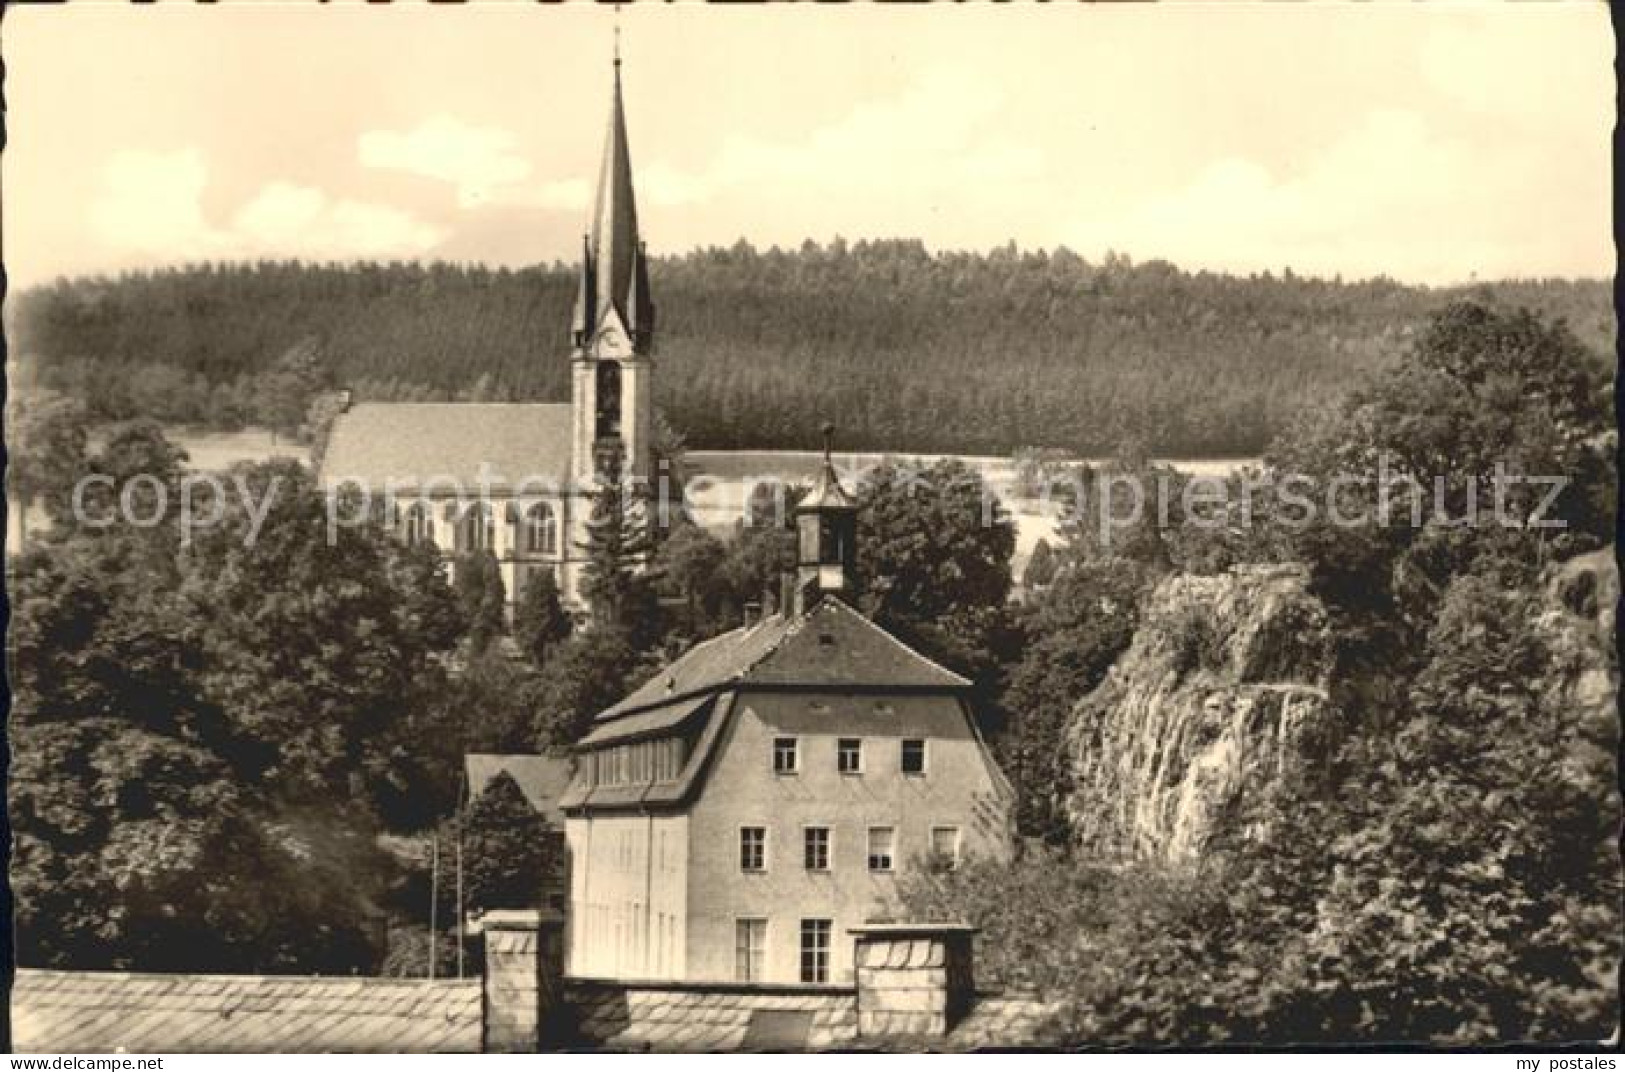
(419, 445)
(541, 778)
(104, 1012)
(832, 646)
(662, 1018)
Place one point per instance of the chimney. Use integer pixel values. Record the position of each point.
(345, 396)
(524, 966)
(788, 604)
(914, 979)
(753, 613)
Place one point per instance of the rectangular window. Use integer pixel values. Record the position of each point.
(913, 756)
(849, 755)
(753, 848)
(786, 755)
(815, 950)
(945, 846)
(815, 848)
(882, 847)
(750, 949)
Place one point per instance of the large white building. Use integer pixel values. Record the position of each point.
(738, 813)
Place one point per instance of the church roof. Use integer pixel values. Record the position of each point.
(443, 445)
(832, 646)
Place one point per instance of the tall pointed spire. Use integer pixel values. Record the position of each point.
(585, 313)
(619, 281)
(612, 326)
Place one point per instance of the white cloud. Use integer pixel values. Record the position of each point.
(1391, 196)
(279, 210)
(1494, 65)
(151, 206)
(477, 160)
(151, 203)
(937, 137)
(288, 220)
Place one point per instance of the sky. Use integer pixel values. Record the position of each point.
(1432, 144)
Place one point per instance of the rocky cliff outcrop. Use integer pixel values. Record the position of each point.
(1581, 598)
(1224, 684)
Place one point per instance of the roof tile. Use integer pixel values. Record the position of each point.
(429, 445)
(100, 1011)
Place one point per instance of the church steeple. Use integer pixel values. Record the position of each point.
(614, 278)
(612, 325)
(827, 527)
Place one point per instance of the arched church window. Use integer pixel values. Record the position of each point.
(416, 527)
(477, 531)
(541, 530)
(608, 401)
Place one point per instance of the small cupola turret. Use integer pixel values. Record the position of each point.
(827, 531)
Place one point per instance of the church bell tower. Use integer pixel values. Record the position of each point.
(612, 326)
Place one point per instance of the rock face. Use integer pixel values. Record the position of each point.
(1224, 684)
(1581, 603)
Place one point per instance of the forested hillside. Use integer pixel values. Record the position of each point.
(909, 350)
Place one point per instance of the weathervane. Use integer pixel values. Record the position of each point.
(617, 34)
(829, 439)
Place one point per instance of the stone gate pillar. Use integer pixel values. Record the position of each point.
(913, 978)
(524, 968)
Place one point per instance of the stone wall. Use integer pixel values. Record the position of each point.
(708, 1017)
(915, 983)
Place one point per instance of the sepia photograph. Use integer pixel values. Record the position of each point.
(696, 528)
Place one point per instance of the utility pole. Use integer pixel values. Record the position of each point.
(434, 894)
(462, 913)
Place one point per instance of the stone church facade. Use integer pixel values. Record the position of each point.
(517, 479)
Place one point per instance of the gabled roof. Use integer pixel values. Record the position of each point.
(832, 646)
(108, 1012)
(443, 445)
(541, 778)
